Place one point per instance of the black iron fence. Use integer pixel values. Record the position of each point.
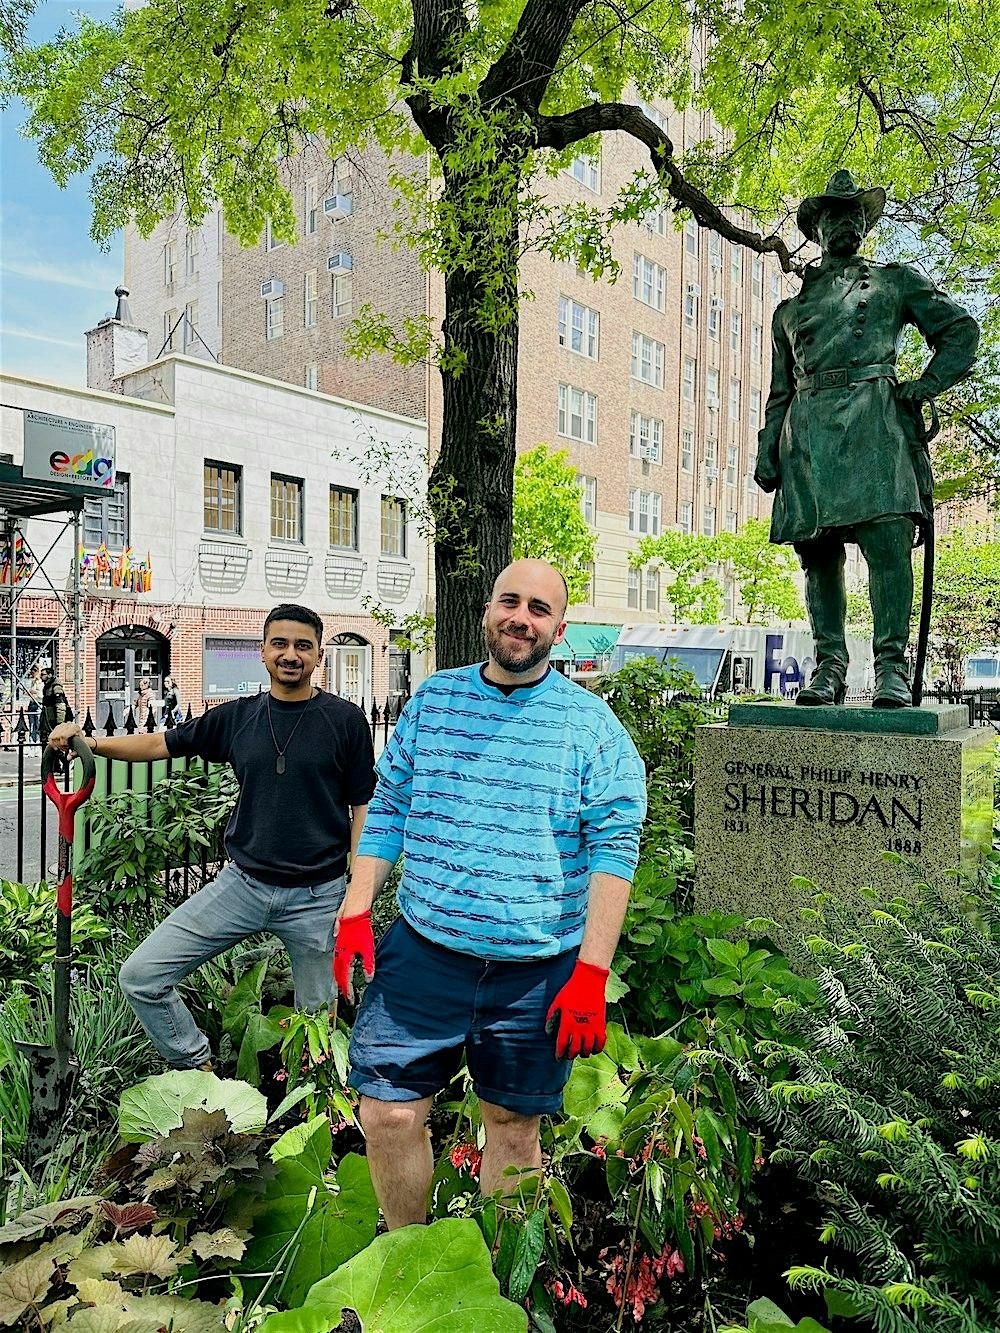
(28, 826)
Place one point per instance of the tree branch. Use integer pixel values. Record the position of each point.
(559, 132)
(440, 28)
(529, 60)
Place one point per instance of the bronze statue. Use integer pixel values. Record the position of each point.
(843, 444)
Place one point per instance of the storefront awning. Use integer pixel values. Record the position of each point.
(586, 643)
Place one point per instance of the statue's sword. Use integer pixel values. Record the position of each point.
(924, 434)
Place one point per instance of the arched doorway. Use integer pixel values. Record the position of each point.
(124, 656)
(349, 668)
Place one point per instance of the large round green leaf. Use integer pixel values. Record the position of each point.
(338, 1224)
(157, 1106)
(435, 1279)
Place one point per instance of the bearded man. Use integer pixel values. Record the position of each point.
(516, 799)
(843, 445)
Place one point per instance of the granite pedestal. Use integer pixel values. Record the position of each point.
(782, 791)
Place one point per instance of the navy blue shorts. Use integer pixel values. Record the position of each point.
(427, 1003)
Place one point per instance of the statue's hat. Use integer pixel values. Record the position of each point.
(841, 190)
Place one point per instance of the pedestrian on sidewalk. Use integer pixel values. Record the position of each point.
(34, 709)
(516, 799)
(304, 764)
(142, 703)
(173, 714)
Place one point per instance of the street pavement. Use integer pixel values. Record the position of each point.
(32, 817)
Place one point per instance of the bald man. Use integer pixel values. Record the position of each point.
(516, 799)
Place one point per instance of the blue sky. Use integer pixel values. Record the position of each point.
(54, 281)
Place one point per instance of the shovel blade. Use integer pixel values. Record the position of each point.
(51, 1076)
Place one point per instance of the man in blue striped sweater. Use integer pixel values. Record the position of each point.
(516, 798)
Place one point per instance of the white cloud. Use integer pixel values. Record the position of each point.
(9, 331)
(39, 270)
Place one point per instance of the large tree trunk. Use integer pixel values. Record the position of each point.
(472, 482)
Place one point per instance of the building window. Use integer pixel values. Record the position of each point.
(655, 221)
(312, 376)
(170, 263)
(169, 322)
(730, 520)
(654, 113)
(649, 282)
(731, 465)
(579, 327)
(310, 209)
(191, 324)
(286, 508)
(274, 318)
(690, 377)
(691, 237)
(691, 304)
(736, 267)
(342, 181)
(735, 332)
(757, 277)
(652, 590)
(343, 517)
(644, 512)
(586, 170)
(708, 521)
(105, 517)
(714, 313)
(646, 438)
(633, 589)
(577, 414)
(393, 525)
(588, 498)
(342, 295)
(776, 288)
(712, 390)
(715, 250)
(270, 240)
(711, 451)
(687, 450)
(734, 400)
(754, 416)
(310, 298)
(685, 515)
(223, 497)
(756, 340)
(190, 254)
(647, 360)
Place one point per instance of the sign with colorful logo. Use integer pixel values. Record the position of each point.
(72, 453)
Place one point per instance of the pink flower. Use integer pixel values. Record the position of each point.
(600, 1151)
(281, 1075)
(700, 1147)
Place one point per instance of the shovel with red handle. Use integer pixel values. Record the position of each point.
(53, 1069)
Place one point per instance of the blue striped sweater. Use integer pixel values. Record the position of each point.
(504, 806)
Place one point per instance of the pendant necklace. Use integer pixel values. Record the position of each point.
(279, 763)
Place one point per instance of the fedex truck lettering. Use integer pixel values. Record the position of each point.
(782, 673)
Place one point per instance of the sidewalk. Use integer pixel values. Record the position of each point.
(9, 762)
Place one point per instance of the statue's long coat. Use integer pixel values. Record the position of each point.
(849, 453)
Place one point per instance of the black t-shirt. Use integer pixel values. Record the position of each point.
(291, 828)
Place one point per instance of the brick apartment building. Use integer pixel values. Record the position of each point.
(654, 384)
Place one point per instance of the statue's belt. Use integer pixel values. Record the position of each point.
(841, 377)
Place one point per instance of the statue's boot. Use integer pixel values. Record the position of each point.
(826, 602)
(887, 547)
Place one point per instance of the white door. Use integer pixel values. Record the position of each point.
(349, 675)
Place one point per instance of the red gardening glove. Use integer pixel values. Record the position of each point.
(354, 940)
(583, 1027)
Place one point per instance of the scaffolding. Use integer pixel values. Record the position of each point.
(23, 571)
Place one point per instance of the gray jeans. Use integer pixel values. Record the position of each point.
(224, 912)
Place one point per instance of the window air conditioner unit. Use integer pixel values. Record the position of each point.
(273, 287)
(716, 302)
(693, 289)
(711, 472)
(341, 262)
(648, 452)
(338, 207)
(712, 402)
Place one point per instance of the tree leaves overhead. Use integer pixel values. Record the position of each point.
(548, 519)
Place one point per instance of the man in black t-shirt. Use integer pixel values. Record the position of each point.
(305, 767)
